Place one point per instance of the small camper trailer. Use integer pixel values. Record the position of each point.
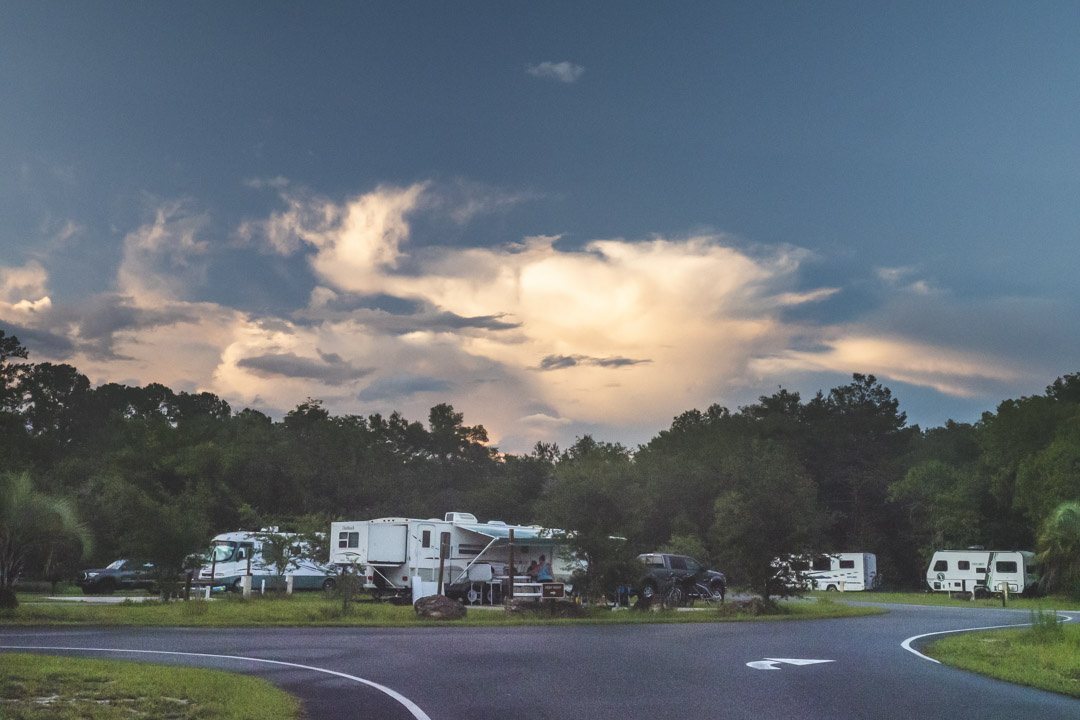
(400, 557)
(982, 572)
(233, 555)
(848, 572)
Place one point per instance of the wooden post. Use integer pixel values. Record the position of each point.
(509, 594)
(444, 550)
(1004, 594)
(213, 568)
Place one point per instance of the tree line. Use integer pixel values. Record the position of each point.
(154, 473)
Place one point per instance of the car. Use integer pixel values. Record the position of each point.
(123, 574)
(662, 566)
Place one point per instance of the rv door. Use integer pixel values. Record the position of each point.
(427, 543)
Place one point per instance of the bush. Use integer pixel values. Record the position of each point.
(1045, 626)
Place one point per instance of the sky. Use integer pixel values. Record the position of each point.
(561, 218)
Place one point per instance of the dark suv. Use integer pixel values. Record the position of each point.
(118, 575)
(661, 566)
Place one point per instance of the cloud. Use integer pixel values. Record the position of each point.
(951, 372)
(564, 72)
(403, 386)
(329, 368)
(162, 258)
(25, 283)
(560, 362)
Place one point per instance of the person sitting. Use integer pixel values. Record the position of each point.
(533, 569)
(544, 573)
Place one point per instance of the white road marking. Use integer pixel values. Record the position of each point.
(770, 663)
(406, 702)
(907, 643)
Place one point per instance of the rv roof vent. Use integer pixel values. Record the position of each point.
(461, 517)
(976, 547)
(496, 522)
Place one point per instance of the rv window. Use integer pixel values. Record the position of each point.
(677, 563)
(941, 565)
(822, 563)
(963, 565)
(1005, 566)
(980, 571)
(847, 564)
(425, 539)
(466, 549)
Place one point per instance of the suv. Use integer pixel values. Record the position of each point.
(662, 566)
(119, 575)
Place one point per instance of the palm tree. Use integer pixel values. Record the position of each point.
(30, 521)
(1059, 545)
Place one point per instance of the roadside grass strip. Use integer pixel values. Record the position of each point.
(316, 610)
(939, 599)
(1044, 655)
(45, 687)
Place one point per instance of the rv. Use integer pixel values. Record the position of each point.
(981, 572)
(852, 571)
(233, 555)
(400, 557)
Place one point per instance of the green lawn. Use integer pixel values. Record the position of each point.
(41, 687)
(1048, 603)
(316, 609)
(1040, 656)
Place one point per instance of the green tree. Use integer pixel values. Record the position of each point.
(770, 511)
(1059, 549)
(165, 533)
(30, 521)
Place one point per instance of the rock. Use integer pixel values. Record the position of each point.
(546, 608)
(439, 607)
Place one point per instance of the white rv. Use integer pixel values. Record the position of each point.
(982, 572)
(399, 557)
(233, 555)
(847, 572)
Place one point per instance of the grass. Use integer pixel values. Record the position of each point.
(1044, 656)
(316, 609)
(42, 687)
(939, 599)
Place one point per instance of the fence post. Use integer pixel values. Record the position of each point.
(509, 594)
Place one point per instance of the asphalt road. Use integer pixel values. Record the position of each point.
(624, 672)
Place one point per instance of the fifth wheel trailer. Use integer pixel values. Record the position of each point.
(399, 557)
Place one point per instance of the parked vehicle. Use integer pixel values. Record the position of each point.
(233, 555)
(662, 567)
(399, 557)
(982, 572)
(123, 574)
(846, 571)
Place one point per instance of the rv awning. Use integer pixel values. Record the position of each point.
(524, 535)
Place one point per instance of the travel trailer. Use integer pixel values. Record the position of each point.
(233, 555)
(399, 557)
(982, 572)
(847, 572)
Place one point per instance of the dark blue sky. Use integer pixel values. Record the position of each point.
(861, 188)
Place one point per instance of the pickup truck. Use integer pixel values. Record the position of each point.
(661, 566)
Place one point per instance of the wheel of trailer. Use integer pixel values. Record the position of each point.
(831, 588)
(329, 584)
(981, 593)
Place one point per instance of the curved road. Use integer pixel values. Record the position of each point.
(627, 671)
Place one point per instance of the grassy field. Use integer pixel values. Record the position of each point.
(1045, 656)
(40, 687)
(316, 609)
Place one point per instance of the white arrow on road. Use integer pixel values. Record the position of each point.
(770, 663)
